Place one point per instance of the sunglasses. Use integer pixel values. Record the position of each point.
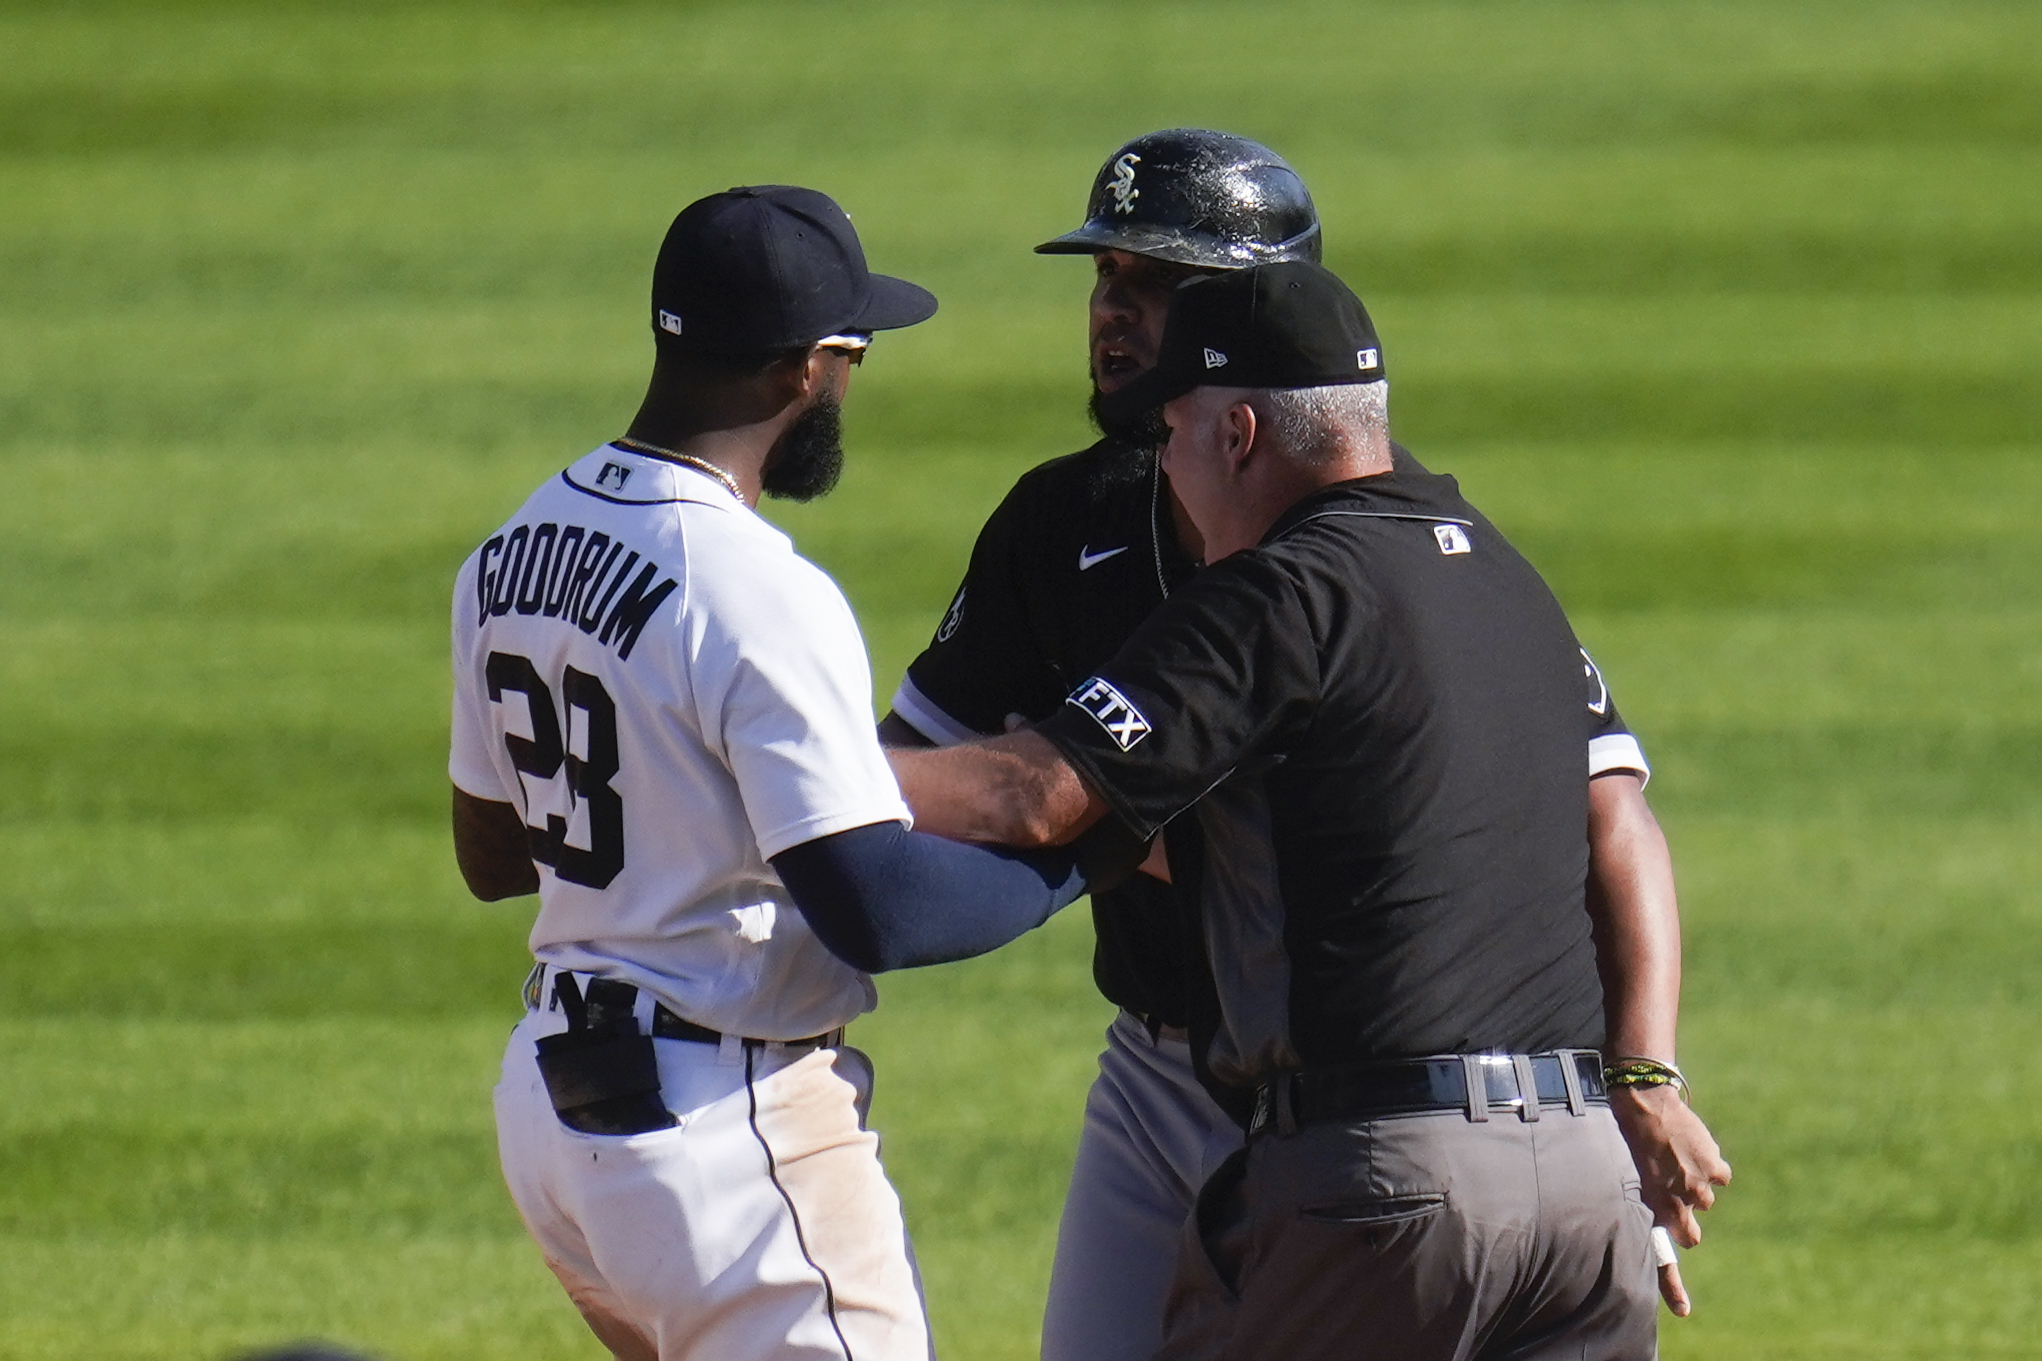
(850, 344)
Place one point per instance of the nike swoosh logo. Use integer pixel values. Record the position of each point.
(1087, 561)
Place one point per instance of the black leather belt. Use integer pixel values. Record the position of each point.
(611, 1001)
(667, 1026)
(1560, 1077)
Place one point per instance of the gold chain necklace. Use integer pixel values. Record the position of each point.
(674, 455)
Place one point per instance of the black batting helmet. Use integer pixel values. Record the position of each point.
(1197, 197)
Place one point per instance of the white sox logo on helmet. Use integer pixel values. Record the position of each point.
(1124, 192)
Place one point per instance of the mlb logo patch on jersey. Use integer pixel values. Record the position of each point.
(1123, 722)
(1452, 539)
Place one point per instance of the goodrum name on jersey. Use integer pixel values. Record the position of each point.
(572, 574)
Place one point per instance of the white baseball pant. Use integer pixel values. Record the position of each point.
(1151, 1138)
(760, 1228)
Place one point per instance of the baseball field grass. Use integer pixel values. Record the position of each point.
(1727, 314)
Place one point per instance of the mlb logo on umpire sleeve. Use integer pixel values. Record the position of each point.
(1452, 539)
(1123, 722)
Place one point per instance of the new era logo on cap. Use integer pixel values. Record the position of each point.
(1123, 722)
(1213, 358)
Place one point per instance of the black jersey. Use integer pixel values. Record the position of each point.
(1079, 553)
(1377, 720)
(1076, 556)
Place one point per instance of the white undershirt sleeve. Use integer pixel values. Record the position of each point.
(921, 714)
(1617, 751)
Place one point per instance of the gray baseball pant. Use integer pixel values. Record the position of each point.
(1151, 1138)
(1421, 1238)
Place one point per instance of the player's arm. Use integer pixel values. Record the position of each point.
(882, 897)
(491, 848)
(1231, 648)
(1635, 917)
(491, 845)
(1015, 790)
(1636, 921)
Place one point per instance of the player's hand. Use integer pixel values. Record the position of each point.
(1673, 1292)
(1679, 1169)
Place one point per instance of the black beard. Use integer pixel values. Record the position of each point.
(808, 458)
(1146, 431)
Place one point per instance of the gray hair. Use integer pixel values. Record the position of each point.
(1314, 425)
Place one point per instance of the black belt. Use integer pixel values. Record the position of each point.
(667, 1026)
(1561, 1077)
(611, 1001)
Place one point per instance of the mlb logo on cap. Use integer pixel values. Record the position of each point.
(669, 323)
(1367, 359)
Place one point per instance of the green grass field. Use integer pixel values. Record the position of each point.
(1726, 313)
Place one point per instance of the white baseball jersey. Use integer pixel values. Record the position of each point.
(670, 696)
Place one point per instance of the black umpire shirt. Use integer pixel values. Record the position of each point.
(1378, 714)
(1079, 553)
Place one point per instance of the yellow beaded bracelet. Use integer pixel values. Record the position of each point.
(1642, 1072)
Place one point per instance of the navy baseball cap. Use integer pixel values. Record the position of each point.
(769, 267)
(1286, 325)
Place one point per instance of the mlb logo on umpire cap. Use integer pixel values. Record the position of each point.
(1112, 711)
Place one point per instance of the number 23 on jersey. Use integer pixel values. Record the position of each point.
(546, 756)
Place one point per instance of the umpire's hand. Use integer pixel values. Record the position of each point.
(1679, 1169)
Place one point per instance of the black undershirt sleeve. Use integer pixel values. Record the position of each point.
(1212, 682)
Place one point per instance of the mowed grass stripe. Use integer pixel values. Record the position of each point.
(173, 1296)
(1718, 313)
(1743, 73)
(1595, 225)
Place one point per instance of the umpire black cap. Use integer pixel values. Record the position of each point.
(769, 267)
(1288, 325)
(1197, 197)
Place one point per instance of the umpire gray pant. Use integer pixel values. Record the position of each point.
(1421, 1238)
